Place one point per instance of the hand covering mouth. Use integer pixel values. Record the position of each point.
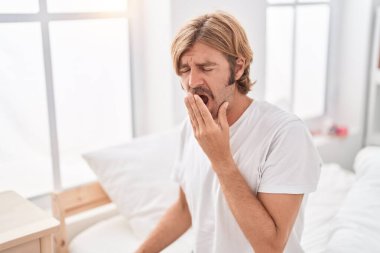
(203, 93)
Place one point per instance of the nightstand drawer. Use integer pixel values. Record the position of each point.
(28, 247)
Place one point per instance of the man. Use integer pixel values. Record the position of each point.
(245, 167)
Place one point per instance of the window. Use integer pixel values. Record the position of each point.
(64, 89)
(19, 6)
(297, 38)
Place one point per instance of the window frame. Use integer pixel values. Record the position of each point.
(313, 122)
(43, 17)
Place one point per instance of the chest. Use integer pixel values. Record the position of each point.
(202, 183)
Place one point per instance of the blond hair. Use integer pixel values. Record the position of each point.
(222, 32)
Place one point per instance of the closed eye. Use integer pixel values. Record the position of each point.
(184, 70)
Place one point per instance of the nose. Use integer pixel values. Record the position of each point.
(195, 79)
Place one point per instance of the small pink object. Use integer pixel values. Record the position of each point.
(340, 131)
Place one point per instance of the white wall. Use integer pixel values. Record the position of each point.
(151, 65)
(353, 59)
(351, 43)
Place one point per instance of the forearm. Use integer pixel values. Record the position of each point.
(254, 220)
(172, 225)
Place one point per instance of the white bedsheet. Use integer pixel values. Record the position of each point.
(114, 235)
(323, 205)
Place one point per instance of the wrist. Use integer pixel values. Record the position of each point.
(223, 165)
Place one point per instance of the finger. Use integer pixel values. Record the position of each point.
(205, 113)
(193, 121)
(197, 113)
(222, 115)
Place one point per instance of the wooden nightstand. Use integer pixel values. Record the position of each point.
(24, 227)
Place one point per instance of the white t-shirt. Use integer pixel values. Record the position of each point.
(274, 153)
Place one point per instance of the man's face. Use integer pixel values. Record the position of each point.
(206, 72)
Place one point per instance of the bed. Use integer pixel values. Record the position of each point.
(116, 213)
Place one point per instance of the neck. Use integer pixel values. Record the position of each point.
(238, 107)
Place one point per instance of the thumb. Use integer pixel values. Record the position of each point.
(222, 115)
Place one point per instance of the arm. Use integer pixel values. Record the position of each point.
(266, 219)
(172, 225)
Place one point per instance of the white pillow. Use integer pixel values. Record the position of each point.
(323, 204)
(136, 176)
(356, 227)
(366, 161)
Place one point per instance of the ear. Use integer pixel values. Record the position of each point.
(239, 67)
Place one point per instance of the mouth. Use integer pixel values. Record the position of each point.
(204, 99)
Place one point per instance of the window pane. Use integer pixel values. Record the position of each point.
(25, 163)
(279, 56)
(311, 59)
(280, 1)
(313, 1)
(91, 80)
(86, 5)
(19, 6)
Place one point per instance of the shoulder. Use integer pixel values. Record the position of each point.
(275, 119)
(273, 112)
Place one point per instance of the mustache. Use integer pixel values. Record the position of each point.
(201, 91)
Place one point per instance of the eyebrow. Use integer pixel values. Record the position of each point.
(205, 64)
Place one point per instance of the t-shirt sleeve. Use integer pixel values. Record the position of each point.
(292, 164)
